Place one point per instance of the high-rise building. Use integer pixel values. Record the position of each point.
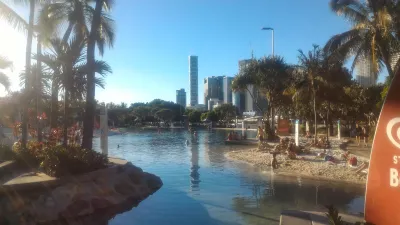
(193, 80)
(244, 63)
(181, 97)
(365, 73)
(227, 89)
(238, 99)
(213, 88)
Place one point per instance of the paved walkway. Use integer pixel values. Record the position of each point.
(295, 217)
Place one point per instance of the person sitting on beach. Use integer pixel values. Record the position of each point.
(230, 136)
(308, 134)
(345, 156)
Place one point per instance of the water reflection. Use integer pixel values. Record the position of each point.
(194, 167)
(265, 204)
(201, 186)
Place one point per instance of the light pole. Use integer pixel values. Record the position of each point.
(271, 29)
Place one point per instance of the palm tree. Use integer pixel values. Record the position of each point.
(311, 66)
(372, 36)
(75, 13)
(72, 80)
(5, 64)
(100, 34)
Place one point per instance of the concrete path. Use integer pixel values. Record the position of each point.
(291, 217)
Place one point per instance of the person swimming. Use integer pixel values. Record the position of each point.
(118, 146)
(187, 142)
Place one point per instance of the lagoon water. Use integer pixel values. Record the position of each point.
(202, 186)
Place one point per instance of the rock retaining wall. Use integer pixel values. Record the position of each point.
(79, 196)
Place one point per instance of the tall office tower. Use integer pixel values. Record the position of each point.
(244, 63)
(227, 89)
(238, 99)
(181, 97)
(194, 80)
(213, 88)
(365, 74)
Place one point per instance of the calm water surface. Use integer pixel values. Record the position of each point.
(201, 186)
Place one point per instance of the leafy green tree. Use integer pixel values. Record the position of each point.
(195, 116)
(210, 116)
(141, 112)
(225, 112)
(166, 115)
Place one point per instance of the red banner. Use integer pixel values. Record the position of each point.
(382, 200)
(283, 127)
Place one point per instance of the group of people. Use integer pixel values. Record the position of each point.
(235, 136)
(361, 132)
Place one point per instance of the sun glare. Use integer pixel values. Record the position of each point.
(12, 47)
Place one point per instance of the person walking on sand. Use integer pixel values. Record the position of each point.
(358, 134)
(365, 134)
(260, 134)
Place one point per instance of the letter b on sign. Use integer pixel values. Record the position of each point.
(394, 178)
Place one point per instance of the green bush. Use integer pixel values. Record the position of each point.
(61, 161)
(31, 156)
(6, 153)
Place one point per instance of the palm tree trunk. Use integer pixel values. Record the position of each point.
(315, 116)
(28, 72)
(327, 122)
(54, 104)
(39, 87)
(65, 117)
(88, 122)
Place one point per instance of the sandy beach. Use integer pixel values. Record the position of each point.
(306, 165)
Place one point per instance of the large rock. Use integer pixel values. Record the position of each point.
(85, 194)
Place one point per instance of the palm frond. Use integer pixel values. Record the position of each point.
(100, 82)
(50, 18)
(12, 18)
(352, 10)
(5, 63)
(5, 81)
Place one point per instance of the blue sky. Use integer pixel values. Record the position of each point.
(155, 37)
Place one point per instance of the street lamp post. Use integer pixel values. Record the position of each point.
(271, 29)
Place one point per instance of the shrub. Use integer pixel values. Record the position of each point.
(61, 161)
(31, 156)
(6, 153)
